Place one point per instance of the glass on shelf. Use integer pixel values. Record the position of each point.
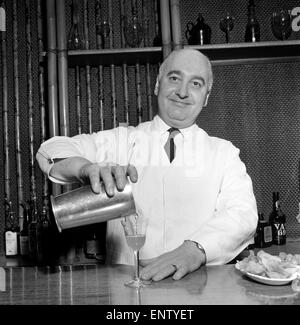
(75, 37)
(133, 30)
(281, 24)
(103, 26)
(226, 25)
(103, 30)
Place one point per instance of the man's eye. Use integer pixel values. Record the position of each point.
(197, 84)
(173, 78)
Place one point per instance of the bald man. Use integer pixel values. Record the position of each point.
(200, 202)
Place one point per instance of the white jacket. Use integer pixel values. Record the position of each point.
(204, 195)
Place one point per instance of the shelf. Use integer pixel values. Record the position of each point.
(106, 57)
(247, 53)
(219, 54)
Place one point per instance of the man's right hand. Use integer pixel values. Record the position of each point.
(111, 175)
(82, 170)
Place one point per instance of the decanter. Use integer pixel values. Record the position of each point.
(75, 37)
(199, 33)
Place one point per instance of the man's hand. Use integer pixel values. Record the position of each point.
(111, 175)
(183, 260)
(82, 170)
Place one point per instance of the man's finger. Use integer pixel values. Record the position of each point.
(163, 273)
(156, 269)
(94, 178)
(132, 173)
(180, 272)
(150, 270)
(108, 180)
(145, 262)
(120, 176)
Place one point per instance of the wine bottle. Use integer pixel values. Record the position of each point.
(11, 231)
(263, 237)
(95, 242)
(252, 33)
(24, 240)
(42, 235)
(277, 220)
(32, 235)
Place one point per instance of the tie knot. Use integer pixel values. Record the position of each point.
(173, 131)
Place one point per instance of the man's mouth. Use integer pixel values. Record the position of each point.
(180, 103)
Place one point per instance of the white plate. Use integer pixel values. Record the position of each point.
(266, 280)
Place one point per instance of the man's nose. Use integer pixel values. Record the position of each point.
(182, 91)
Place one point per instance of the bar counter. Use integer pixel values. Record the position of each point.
(99, 284)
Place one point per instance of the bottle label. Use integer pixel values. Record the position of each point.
(279, 235)
(11, 243)
(92, 246)
(268, 234)
(24, 245)
(280, 229)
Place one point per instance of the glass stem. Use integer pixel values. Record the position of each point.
(227, 36)
(136, 263)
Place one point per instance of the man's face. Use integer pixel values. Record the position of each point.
(183, 89)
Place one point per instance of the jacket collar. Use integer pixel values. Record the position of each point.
(162, 127)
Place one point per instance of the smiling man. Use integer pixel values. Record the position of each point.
(193, 187)
(182, 93)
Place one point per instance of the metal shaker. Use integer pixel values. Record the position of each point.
(82, 206)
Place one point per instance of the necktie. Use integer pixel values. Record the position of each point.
(170, 145)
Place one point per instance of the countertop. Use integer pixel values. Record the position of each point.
(100, 284)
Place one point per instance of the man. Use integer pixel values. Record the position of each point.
(201, 205)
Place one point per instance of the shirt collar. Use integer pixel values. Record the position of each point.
(162, 127)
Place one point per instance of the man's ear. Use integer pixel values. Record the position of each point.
(156, 87)
(206, 98)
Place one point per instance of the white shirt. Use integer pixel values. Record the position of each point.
(204, 195)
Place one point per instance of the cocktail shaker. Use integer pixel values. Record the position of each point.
(82, 206)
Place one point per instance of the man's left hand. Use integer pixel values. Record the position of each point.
(183, 260)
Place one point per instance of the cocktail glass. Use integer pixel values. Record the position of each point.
(135, 227)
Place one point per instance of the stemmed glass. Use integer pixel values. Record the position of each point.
(134, 32)
(281, 24)
(75, 38)
(226, 25)
(135, 227)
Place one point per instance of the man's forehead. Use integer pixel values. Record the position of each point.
(187, 60)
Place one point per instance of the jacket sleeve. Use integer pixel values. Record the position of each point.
(233, 223)
(60, 147)
(109, 146)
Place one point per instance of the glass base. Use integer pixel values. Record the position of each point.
(137, 283)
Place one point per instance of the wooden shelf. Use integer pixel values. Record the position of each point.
(106, 57)
(247, 53)
(220, 54)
